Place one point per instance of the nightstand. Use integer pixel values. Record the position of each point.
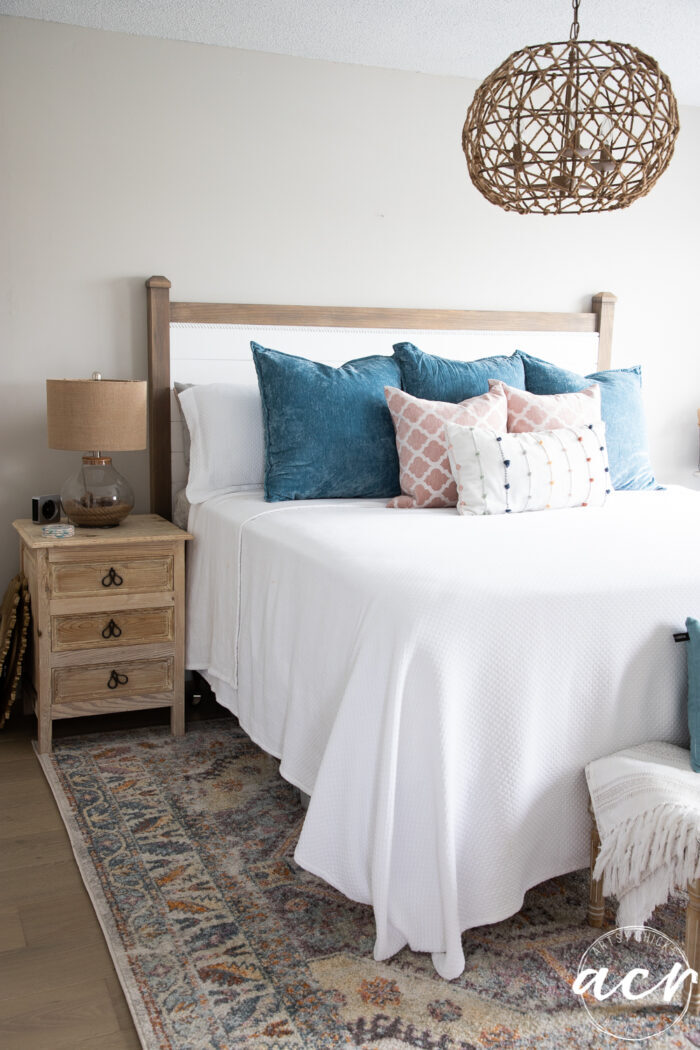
(108, 620)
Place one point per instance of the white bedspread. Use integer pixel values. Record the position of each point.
(438, 683)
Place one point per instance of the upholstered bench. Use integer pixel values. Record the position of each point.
(647, 797)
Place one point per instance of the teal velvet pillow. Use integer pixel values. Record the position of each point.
(621, 408)
(328, 431)
(441, 379)
(693, 628)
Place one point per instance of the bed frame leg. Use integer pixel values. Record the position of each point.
(596, 900)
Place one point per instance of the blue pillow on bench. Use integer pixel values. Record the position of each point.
(692, 626)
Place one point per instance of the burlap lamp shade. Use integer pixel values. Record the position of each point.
(96, 414)
(105, 414)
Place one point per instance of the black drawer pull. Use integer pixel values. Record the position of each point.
(116, 679)
(112, 577)
(112, 630)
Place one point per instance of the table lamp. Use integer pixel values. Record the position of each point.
(96, 414)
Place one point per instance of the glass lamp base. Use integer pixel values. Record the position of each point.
(98, 496)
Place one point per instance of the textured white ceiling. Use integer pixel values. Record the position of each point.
(452, 37)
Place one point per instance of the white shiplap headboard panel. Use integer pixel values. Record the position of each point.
(211, 353)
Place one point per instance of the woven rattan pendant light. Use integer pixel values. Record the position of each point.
(578, 126)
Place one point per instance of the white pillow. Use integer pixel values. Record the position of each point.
(226, 438)
(538, 470)
(179, 387)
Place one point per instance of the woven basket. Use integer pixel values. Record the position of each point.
(14, 629)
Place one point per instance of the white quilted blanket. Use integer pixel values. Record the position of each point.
(439, 683)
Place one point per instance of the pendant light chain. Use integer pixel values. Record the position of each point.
(575, 27)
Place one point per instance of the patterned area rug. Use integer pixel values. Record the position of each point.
(221, 941)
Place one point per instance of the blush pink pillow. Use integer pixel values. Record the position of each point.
(528, 411)
(425, 474)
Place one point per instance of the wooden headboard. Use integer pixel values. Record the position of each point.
(162, 312)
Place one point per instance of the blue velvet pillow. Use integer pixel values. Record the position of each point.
(622, 410)
(441, 379)
(693, 628)
(328, 431)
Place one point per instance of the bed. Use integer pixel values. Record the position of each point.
(435, 683)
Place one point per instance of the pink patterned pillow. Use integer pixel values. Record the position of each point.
(528, 411)
(425, 475)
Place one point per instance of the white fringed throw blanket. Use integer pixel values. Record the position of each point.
(646, 802)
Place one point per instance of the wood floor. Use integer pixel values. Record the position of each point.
(58, 987)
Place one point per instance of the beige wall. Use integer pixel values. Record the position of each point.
(254, 177)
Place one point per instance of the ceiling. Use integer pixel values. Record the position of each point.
(451, 37)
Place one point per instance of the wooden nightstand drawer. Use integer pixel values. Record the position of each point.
(110, 576)
(104, 630)
(115, 679)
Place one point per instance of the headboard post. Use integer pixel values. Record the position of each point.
(604, 309)
(158, 293)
